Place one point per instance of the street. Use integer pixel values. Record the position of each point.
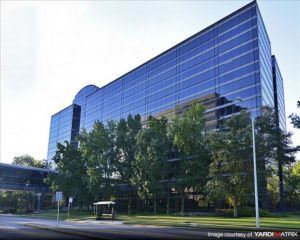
(12, 227)
(18, 227)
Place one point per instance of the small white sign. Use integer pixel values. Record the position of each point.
(58, 196)
(70, 199)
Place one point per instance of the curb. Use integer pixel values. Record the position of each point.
(220, 227)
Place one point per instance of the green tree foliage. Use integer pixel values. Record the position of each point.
(217, 165)
(273, 142)
(98, 148)
(17, 201)
(293, 186)
(232, 167)
(189, 140)
(126, 133)
(71, 177)
(266, 127)
(152, 153)
(273, 192)
(274, 150)
(29, 161)
(295, 118)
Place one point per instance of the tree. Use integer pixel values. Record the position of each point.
(295, 118)
(98, 148)
(189, 139)
(266, 129)
(152, 153)
(72, 176)
(16, 201)
(273, 191)
(29, 161)
(293, 186)
(126, 146)
(273, 149)
(231, 169)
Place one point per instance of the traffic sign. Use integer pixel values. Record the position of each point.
(58, 196)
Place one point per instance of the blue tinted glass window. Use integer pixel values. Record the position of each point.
(238, 40)
(237, 84)
(236, 20)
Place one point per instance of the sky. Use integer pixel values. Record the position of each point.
(52, 49)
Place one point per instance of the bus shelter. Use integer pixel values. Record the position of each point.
(105, 210)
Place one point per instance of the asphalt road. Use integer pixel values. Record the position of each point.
(16, 227)
(12, 227)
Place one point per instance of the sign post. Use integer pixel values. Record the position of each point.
(70, 202)
(58, 198)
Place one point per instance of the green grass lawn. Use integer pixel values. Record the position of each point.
(278, 221)
(290, 221)
(63, 215)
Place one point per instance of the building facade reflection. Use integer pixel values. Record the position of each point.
(231, 58)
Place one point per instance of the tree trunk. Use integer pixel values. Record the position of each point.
(281, 187)
(129, 202)
(262, 183)
(154, 203)
(137, 206)
(168, 201)
(182, 204)
(235, 212)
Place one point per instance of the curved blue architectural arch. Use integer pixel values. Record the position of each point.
(84, 92)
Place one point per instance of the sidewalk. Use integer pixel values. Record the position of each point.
(109, 222)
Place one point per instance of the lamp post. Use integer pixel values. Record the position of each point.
(255, 174)
(254, 169)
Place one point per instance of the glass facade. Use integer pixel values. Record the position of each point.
(16, 177)
(228, 60)
(64, 127)
(278, 94)
(265, 63)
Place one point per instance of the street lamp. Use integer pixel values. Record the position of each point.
(254, 168)
(255, 174)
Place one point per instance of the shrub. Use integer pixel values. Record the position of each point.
(243, 212)
(224, 212)
(10, 210)
(28, 211)
(24, 211)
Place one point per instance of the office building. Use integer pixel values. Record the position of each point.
(230, 59)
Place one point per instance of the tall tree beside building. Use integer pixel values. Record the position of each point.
(98, 147)
(295, 118)
(189, 139)
(72, 176)
(231, 169)
(274, 150)
(152, 153)
(126, 146)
